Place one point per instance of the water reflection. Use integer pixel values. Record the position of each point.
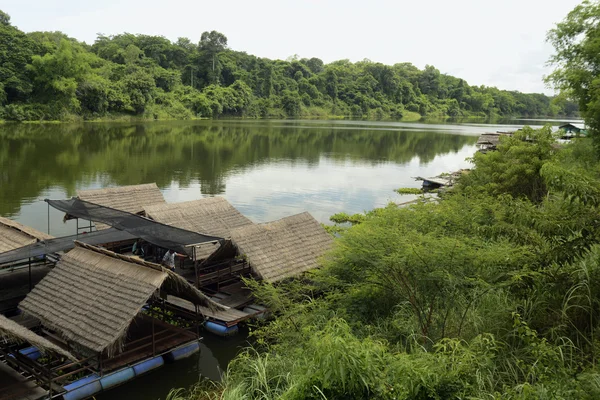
(284, 165)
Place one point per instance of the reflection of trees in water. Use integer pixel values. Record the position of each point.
(34, 158)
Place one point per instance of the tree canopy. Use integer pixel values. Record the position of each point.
(576, 41)
(144, 76)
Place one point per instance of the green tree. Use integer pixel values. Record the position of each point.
(515, 168)
(16, 50)
(211, 44)
(576, 41)
(4, 18)
(57, 75)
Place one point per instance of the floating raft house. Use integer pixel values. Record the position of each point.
(274, 251)
(441, 181)
(490, 141)
(93, 295)
(92, 306)
(570, 130)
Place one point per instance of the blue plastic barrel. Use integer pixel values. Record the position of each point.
(83, 388)
(31, 352)
(148, 365)
(117, 378)
(220, 330)
(182, 352)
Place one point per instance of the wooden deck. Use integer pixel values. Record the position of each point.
(234, 295)
(228, 317)
(214, 274)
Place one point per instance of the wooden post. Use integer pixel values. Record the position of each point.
(30, 285)
(48, 218)
(197, 323)
(196, 269)
(153, 339)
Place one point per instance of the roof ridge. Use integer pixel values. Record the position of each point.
(122, 257)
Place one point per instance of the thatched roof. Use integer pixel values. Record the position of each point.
(92, 295)
(11, 330)
(283, 248)
(125, 198)
(14, 235)
(212, 215)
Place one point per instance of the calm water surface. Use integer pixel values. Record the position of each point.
(267, 169)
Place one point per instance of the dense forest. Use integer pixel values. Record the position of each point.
(49, 76)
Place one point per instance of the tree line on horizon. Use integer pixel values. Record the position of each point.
(50, 76)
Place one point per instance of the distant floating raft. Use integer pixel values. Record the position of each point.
(435, 182)
(490, 141)
(441, 181)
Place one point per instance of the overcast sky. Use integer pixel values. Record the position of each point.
(486, 42)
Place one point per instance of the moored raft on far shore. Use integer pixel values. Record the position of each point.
(489, 141)
(443, 181)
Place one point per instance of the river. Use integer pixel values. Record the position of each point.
(267, 169)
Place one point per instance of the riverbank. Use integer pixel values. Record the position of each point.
(407, 117)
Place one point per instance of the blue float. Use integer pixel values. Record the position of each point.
(148, 365)
(117, 378)
(220, 330)
(182, 352)
(31, 352)
(83, 388)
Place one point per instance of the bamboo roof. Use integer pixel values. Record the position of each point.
(212, 215)
(92, 295)
(11, 330)
(14, 235)
(131, 198)
(283, 248)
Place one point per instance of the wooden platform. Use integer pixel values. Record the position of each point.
(214, 274)
(228, 317)
(234, 295)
